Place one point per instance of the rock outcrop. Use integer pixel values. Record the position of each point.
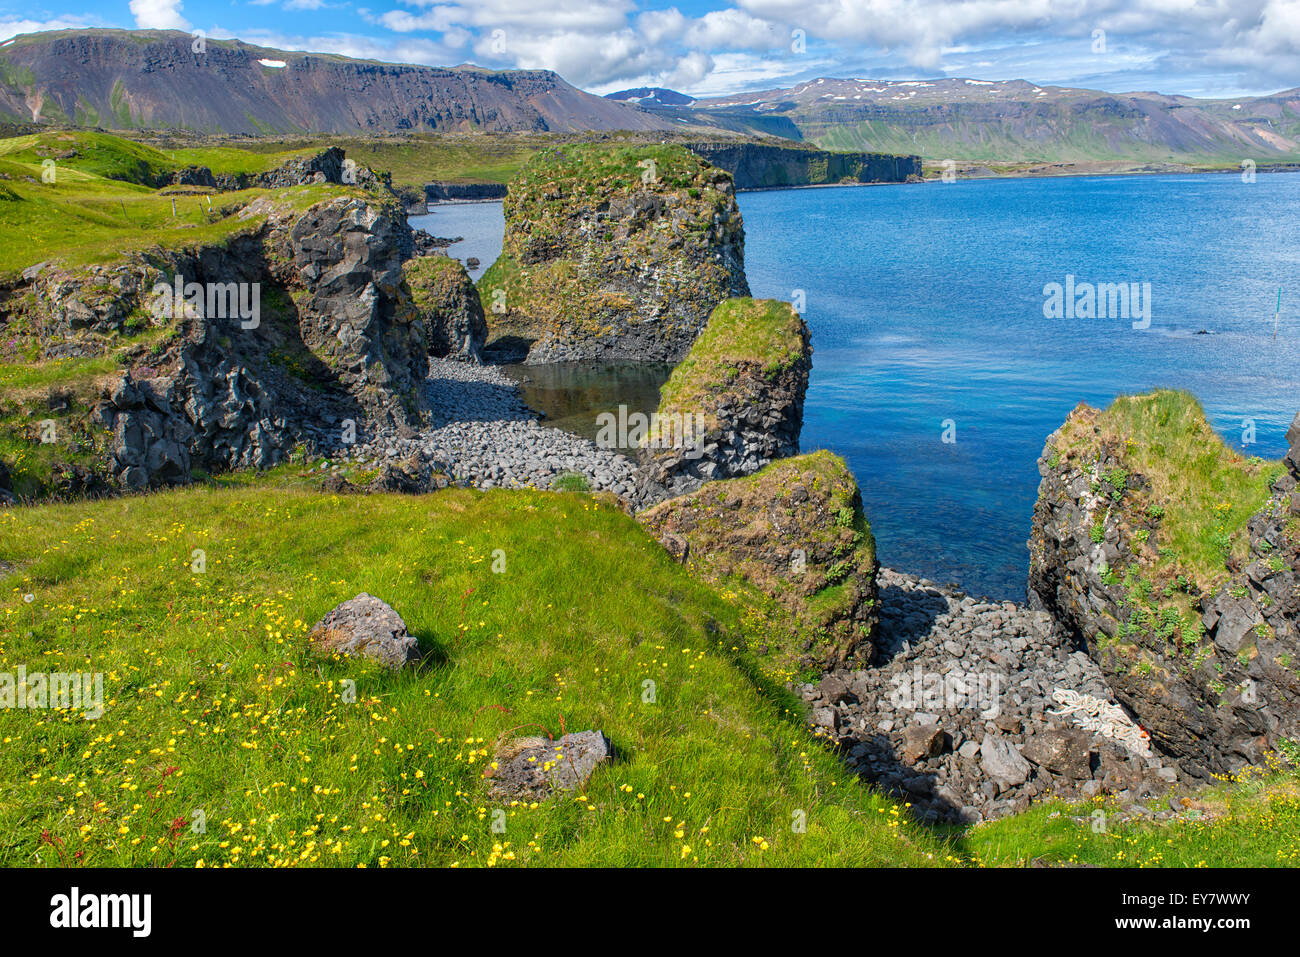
(285, 331)
(734, 404)
(448, 305)
(793, 541)
(368, 627)
(613, 252)
(1172, 559)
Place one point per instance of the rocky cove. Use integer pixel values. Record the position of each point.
(370, 361)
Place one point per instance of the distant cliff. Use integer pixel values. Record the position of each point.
(760, 166)
(442, 192)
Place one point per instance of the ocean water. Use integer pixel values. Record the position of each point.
(926, 309)
(480, 226)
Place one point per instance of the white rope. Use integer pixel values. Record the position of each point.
(1103, 718)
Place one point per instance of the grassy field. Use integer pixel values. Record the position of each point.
(215, 705)
(96, 205)
(217, 712)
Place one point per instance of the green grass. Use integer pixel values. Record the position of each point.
(1250, 822)
(87, 217)
(214, 703)
(766, 333)
(1204, 490)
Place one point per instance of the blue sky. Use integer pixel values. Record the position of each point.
(1195, 47)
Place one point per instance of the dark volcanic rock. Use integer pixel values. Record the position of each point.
(1209, 668)
(449, 306)
(965, 710)
(613, 252)
(795, 532)
(734, 404)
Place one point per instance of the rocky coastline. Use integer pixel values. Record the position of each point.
(368, 359)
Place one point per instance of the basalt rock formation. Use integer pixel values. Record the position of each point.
(297, 326)
(793, 539)
(613, 252)
(449, 306)
(1173, 560)
(734, 404)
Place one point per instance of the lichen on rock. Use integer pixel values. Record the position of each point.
(1172, 557)
(735, 403)
(613, 252)
(791, 543)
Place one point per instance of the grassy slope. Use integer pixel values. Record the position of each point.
(86, 216)
(214, 704)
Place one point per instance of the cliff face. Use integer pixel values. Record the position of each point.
(1173, 559)
(333, 335)
(119, 79)
(735, 403)
(613, 252)
(793, 539)
(760, 166)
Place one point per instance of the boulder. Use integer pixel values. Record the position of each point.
(1002, 762)
(368, 627)
(1068, 753)
(921, 741)
(536, 768)
(791, 538)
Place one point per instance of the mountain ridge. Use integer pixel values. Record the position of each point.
(130, 79)
(1009, 120)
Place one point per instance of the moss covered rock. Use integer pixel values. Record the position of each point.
(735, 403)
(791, 543)
(447, 301)
(1172, 557)
(613, 252)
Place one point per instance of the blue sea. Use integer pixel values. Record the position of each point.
(926, 305)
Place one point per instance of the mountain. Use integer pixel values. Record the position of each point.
(123, 79)
(1012, 120)
(652, 96)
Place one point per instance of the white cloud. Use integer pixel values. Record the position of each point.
(159, 15)
(12, 28)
